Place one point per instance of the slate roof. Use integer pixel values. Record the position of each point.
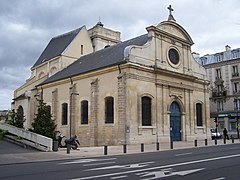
(107, 57)
(56, 46)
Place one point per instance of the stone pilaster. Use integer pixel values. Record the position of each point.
(55, 105)
(121, 109)
(94, 113)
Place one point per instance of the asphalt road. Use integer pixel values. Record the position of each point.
(210, 163)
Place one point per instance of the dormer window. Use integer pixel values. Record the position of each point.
(218, 58)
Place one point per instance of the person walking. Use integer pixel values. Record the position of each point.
(225, 134)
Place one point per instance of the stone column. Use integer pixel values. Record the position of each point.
(94, 113)
(121, 109)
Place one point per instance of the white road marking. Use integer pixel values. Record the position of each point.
(221, 178)
(95, 164)
(118, 177)
(128, 166)
(162, 174)
(158, 167)
(80, 161)
(183, 154)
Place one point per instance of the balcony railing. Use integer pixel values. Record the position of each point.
(235, 74)
(219, 93)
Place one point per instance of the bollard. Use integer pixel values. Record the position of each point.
(105, 150)
(224, 140)
(157, 146)
(171, 144)
(142, 147)
(215, 140)
(195, 143)
(68, 148)
(232, 140)
(206, 142)
(124, 148)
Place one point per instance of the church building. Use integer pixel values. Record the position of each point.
(107, 92)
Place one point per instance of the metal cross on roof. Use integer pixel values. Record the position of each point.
(170, 17)
(170, 9)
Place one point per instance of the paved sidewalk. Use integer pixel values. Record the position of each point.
(86, 152)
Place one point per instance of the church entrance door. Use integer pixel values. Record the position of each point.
(175, 122)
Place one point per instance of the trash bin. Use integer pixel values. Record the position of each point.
(55, 146)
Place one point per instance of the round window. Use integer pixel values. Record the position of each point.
(173, 56)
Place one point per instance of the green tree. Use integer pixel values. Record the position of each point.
(43, 123)
(19, 118)
(10, 117)
(16, 118)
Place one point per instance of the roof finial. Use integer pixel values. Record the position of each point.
(99, 22)
(170, 17)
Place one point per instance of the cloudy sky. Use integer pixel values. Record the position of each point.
(26, 27)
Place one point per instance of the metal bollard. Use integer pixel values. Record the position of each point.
(157, 146)
(105, 150)
(206, 143)
(215, 140)
(68, 148)
(124, 148)
(171, 144)
(224, 140)
(142, 147)
(232, 140)
(195, 143)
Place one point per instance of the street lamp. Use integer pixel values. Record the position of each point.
(70, 123)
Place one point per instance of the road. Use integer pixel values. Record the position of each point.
(210, 163)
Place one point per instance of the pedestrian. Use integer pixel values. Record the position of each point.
(225, 133)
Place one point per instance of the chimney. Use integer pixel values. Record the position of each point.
(227, 48)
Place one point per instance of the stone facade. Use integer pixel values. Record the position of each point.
(150, 94)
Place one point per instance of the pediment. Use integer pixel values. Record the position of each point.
(173, 29)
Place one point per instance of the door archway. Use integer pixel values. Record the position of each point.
(175, 122)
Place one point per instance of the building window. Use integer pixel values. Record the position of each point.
(146, 111)
(232, 125)
(236, 103)
(220, 105)
(64, 113)
(234, 54)
(218, 58)
(49, 109)
(235, 87)
(84, 112)
(235, 71)
(199, 114)
(109, 110)
(81, 49)
(218, 74)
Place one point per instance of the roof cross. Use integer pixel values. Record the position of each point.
(170, 9)
(170, 17)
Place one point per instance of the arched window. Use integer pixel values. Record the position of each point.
(49, 109)
(84, 112)
(109, 110)
(64, 113)
(199, 114)
(146, 111)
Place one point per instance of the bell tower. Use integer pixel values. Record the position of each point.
(102, 37)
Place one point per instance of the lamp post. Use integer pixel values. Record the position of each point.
(70, 123)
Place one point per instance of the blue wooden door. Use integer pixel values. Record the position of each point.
(175, 122)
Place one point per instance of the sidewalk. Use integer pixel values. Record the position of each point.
(87, 152)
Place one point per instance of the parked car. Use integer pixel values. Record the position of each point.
(215, 134)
